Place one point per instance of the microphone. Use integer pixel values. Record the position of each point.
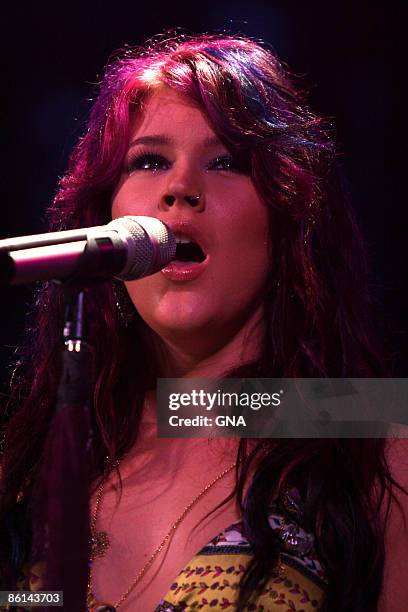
(126, 248)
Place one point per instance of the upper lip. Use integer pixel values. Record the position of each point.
(190, 230)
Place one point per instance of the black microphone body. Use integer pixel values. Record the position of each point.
(126, 248)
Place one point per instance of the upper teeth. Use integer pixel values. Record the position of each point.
(182, 238)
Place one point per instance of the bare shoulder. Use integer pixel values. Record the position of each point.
(395, 589)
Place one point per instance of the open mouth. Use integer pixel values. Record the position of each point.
(188, 250)
(191, 258)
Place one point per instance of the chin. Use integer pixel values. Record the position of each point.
(184, 326)
(181, 313)
(184, 323)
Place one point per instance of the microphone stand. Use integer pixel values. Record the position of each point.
(61, 518)
(74, 394)
(65, 478)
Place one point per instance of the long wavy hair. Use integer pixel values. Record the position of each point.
(316, 311)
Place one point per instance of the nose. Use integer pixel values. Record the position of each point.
(183, 188)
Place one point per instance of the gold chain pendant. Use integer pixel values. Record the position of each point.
(98, 606)
(99, 543)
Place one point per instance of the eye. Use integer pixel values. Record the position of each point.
(147, 161)
(228, 164)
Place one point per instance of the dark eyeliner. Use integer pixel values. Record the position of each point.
(234, 165)
(138, 160)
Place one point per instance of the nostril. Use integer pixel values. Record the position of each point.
(169, 199)
(192, 200)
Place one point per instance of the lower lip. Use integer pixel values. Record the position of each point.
(182, 272)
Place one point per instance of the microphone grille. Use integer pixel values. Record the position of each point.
(151, 245)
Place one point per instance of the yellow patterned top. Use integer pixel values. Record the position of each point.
(210, 581)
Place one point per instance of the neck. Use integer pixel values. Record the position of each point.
(178, 360)
(208, 356)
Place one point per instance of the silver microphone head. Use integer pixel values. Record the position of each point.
(150, 245)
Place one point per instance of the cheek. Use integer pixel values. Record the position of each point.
(120, 199)
(146, 295)
(143, 292)
(248, 235)
(133, 198)
(248, 239)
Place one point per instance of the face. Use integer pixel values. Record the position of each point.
(173, 157)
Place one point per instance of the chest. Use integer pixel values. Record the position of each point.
(154, 531)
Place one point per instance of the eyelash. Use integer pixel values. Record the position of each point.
(161, 163)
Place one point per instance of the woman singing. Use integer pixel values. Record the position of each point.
(209, 135)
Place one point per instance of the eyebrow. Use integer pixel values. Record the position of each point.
(163, 139)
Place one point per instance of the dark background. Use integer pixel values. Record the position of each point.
(347, 53)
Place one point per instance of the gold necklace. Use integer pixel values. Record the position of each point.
(100, 543)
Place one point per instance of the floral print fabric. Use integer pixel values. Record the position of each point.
(211, 580)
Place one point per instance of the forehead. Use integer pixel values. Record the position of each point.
(169, 112)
